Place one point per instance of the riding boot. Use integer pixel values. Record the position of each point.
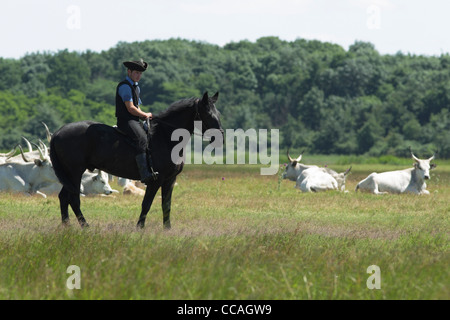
(141, 161)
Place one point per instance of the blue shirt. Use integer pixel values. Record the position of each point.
(125, 91)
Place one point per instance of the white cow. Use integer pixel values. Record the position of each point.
(92, 183)
(410, 180)
(28, 177)
(316, 180)
(96, 183)
(321, 179)
(313, 178)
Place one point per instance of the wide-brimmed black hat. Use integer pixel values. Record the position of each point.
(139, 65)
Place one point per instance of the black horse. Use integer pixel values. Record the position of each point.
(83, 145)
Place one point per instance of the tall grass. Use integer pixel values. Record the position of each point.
(235, 235)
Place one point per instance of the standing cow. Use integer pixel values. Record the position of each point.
(410, 180)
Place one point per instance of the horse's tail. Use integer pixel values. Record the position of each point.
(59, 169)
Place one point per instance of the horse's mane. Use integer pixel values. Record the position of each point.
(176, 107)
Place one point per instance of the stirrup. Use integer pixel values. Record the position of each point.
(150, 166)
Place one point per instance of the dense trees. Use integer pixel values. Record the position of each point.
(320, 96)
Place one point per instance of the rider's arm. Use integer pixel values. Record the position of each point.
(136, 111)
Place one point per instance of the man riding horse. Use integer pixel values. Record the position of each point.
(128, 113)
(82, 145)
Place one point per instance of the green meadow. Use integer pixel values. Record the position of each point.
(235, 235)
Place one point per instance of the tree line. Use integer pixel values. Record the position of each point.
(321, 97)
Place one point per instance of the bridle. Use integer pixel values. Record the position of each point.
(197, 117)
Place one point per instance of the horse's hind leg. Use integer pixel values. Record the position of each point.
(75, 205)
(64, 205)
(167, 189)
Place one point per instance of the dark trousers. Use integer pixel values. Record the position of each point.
(134, 129)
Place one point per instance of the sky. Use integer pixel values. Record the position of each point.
(407, 26)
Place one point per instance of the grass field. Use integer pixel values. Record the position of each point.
(235, 235)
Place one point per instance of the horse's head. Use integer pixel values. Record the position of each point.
(209, 116)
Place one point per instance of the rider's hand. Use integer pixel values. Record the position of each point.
(147, 115)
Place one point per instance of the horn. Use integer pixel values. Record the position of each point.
(347, 171)
(47, 132)
(11, 153)
(44, 147)
(23, 154)
(30, 149)
(41, 152)
(300, 156)
(412, 155)
(289, 157)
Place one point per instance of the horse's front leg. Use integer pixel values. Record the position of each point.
(167, 189)
(64, 205)
(150, 193)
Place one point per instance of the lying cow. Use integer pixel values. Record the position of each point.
(321, 179)
(410, 180)
(28, 177)
(313, 178)
(96, 183)
(92, 183)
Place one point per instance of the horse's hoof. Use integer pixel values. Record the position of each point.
(140, 225)
(65, 223)
(84, 225)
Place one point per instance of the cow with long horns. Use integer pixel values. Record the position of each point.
(410, 180)
(28, 177)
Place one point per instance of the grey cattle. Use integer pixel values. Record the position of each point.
(321, 179)
(311, 178)
(92, 183)
(410, 180)
(28, 177)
